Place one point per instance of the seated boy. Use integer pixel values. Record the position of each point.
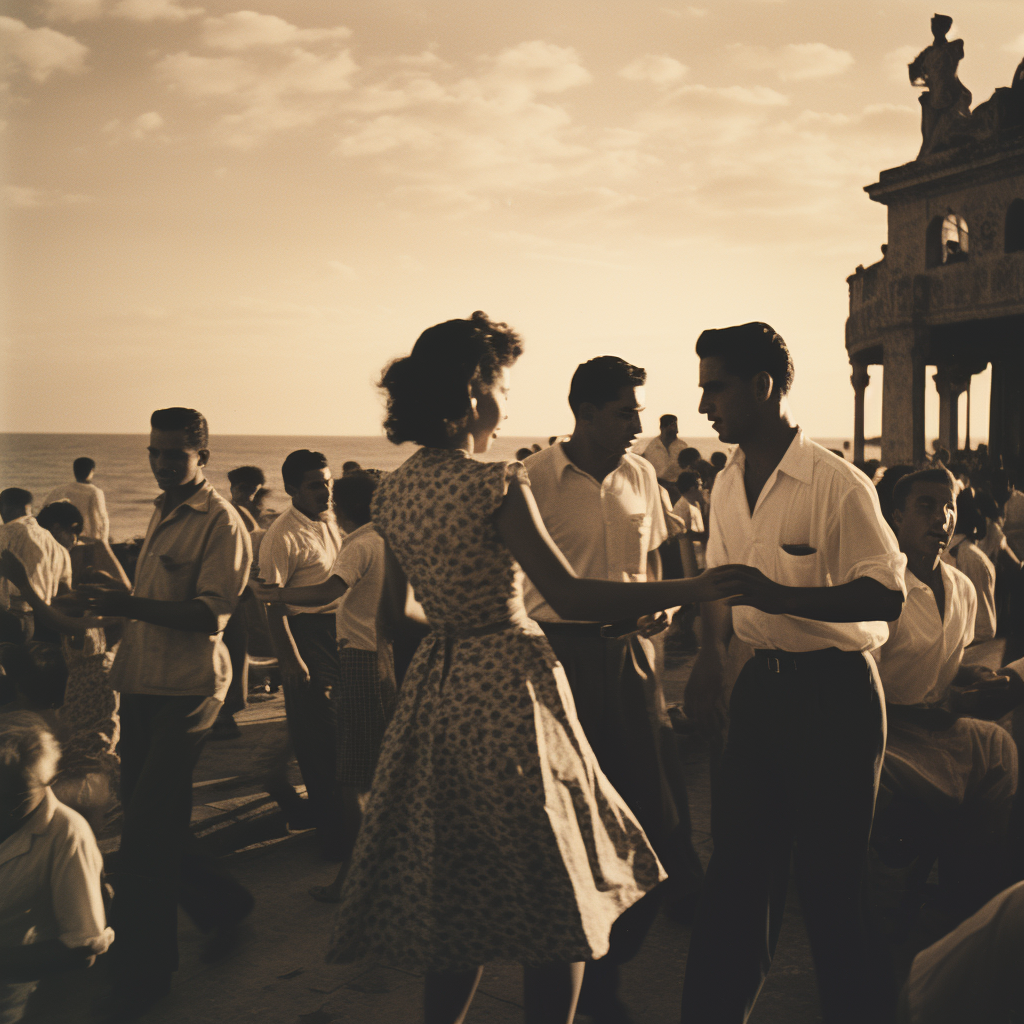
(51, 908)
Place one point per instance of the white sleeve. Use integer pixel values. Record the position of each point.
(77, 900)
(278, 557)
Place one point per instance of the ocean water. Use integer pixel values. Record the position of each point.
(39, 462)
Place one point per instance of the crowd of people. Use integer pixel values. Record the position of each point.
(473, 698)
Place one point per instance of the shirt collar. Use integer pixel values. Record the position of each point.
(798, 462)
(37, 823)
(200, 501)
(563, 462)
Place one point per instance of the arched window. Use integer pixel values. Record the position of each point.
(946, 240)
(1015, 227)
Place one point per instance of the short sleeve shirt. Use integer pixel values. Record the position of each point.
(89, 500)
(918, 662)
(978, 568)
(664, 460)
(50, 881)
(605, 529)
(297, 551)
(200, 551)
(816, 523)
(361, 566)
(46, 562)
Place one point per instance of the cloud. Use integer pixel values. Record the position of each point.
(146, 124)
(896, 62)
(347, 272)
(25, 198)
(657, 69)
(245, 29)
(39, 51)
(1015, 46)
(757, 96)
(154, 10)
(73, 10)
(793, 62)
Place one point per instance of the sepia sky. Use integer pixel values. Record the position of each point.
(250, 210)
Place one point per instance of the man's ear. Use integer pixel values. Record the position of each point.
(204, 456)
(764, 386)
(897, 518)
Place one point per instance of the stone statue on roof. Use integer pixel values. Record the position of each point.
(946, 103)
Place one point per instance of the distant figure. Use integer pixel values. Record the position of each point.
(552, 439)
(687, 459)
(87, 498)
(663, 451)
(688, 508)
(523, 453)
(965, 554)
(246, 482)
(946, 105)
(46, 564)
(350, 467)
(51, 903)
(299, 550)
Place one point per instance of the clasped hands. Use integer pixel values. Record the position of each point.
(745, 585)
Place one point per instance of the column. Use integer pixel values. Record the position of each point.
(950, 381)
(859, 380)
(903, 398)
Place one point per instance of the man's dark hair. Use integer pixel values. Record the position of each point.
(718, 459)
(601, 380)
(352, 496)
(905, 484)
(960, 469)
(83, 467)
(247, 476)
(523, 453)
(688, 457)
(193, 423)
(299, 463)
(688, 480)
(667, 418)
(351, 467)
(747, 350)
(61, 513)
(15, 497)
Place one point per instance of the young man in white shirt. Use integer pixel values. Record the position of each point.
(173, 670)
(799, 772)
(663, 451)
(299, 549)
(87, 498)
(974, 564)
(46, 563)
(960, 772)
(602, 506)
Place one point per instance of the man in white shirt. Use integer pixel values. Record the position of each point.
(602, 506)
(299, 549)
(87, 498)
(959, 772)
(799, 772)
(663, 451)
(47, 564)
(974, 564)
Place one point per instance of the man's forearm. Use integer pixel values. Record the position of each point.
(187, 616)
(860, 600)
(281, 636)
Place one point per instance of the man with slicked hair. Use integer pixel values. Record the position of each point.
(799, 772)
(173, 670)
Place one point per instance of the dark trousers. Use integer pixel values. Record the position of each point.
(612, 682)
(312, 721)
(798, 780)
(159, 863)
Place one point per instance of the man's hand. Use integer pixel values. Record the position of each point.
(293, 671)
(751, 587)
(269, 593)
(103, 600)
(987, 694)
(652, 625)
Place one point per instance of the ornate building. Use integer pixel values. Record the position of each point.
(948, 292)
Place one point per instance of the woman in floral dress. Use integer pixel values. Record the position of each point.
(490, 832)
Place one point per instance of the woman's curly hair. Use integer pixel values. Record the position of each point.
(428, 391)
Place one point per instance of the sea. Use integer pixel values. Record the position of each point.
(39, 462)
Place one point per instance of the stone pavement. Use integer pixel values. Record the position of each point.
(277, 975)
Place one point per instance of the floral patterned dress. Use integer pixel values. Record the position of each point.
(491, 832)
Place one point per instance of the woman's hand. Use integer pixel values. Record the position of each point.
(732, 581)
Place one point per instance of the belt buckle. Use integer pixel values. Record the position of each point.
(773, 664)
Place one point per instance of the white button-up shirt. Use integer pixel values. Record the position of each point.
(199, 552)
(918, 662)
(46, 563)
(664, 460)
(297, 551)
(50, 881)
(89, 500)
(978, 568)
(361, 566)
(605, 529)
(812, 500)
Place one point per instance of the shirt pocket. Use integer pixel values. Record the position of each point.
(637, 540)
(798, 570)
(178, 578)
